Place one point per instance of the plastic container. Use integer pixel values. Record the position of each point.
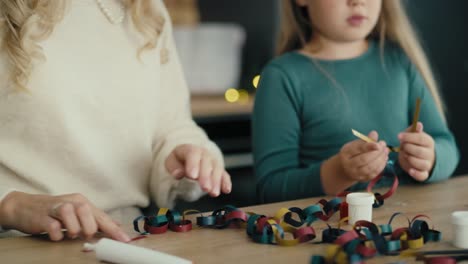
(460, 229)
(359, 206)
(210, 54)
(118, 252)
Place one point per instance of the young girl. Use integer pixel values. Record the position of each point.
(346, 64)
(95, 118)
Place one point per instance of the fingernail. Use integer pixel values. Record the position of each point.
(177, 173)
(400, 136)
(207, 187)
(226, 188)
(123, 237)
(194, 173)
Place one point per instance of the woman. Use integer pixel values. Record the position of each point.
(95, 118)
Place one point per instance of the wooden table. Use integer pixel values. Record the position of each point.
(437, 201)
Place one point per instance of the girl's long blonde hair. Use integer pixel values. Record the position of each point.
(25, 22)
(393, 24)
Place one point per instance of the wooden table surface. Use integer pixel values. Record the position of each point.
(232, 245)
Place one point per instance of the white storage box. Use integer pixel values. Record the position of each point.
(211, 56)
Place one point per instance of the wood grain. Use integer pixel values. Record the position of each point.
(437, 201)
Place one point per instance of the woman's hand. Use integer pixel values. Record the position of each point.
(417, 153)
(197, 163)
(35, 214)
(363, 161)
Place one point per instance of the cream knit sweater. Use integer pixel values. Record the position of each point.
(97, 120)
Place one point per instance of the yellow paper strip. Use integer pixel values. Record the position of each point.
(362, 136)
(370, 140)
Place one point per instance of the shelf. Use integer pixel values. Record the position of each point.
(206, 106)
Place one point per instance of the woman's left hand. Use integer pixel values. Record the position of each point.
(197, 163)
(417, 153)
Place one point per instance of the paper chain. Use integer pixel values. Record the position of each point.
(365, 240)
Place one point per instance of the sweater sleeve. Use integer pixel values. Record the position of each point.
(446, 151)
(176, 127)
(276, 130)
(4, 76)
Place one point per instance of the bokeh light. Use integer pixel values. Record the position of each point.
(231, 95)
(255, 81)
(243, 96)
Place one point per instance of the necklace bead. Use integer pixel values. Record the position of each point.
(109, 14)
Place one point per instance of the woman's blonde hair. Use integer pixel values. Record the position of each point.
(393, 24)
(25, 22)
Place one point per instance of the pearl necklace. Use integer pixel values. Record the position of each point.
(109, 14)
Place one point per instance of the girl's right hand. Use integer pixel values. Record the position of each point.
(363, 161)
(35, 214)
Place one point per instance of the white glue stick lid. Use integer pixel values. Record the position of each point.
(460, 218)
(360, 198)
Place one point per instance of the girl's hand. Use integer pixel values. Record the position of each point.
(36, 214)
(197, 163)
(417, 153)
(363, 161)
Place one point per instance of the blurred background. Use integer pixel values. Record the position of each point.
(224, 45)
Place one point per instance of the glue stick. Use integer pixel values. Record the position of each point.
(360, 206)
(118, 252)
(460, 229)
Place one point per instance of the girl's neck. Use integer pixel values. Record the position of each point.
(322, 48)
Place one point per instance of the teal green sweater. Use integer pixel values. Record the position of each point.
(304, 112)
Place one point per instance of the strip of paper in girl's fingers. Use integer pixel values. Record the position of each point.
(416, 115)
(362, 136)
(370, 140)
